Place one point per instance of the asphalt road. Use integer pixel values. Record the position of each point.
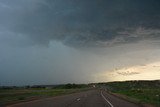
(92, 98)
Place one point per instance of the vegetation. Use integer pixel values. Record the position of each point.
(70, 86)
(16, 94)
(142, 91)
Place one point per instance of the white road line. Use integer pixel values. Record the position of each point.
(106, 99)
(78, 99)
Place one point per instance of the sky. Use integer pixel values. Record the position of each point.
(78, 41)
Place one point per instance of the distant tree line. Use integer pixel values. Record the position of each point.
(61, 86)
(69, 86)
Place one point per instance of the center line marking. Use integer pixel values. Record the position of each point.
(78, 99)
(106, 99)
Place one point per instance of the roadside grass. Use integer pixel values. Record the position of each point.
(150, 96)
(144, 92)
(9, 96)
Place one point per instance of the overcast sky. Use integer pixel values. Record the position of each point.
(78, 41)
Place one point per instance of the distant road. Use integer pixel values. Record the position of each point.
(92, 98)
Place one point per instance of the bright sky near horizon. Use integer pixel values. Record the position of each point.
(78, 41)
(140, 72)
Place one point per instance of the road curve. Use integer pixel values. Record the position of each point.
(92, 98)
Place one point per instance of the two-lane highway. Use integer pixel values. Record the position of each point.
(92, 98)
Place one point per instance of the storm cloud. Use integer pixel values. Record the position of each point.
(83, 23)
(77, 41)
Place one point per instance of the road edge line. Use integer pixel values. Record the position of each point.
(106, 100)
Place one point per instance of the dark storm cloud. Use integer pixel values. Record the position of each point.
(83, 22)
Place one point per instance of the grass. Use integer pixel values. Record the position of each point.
(9, 96)
(150, 96)
(142, 91)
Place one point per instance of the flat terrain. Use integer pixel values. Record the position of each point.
(9, 96)
(144, 92)
(92, 98)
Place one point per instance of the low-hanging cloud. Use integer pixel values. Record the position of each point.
(77, 41)
(80, 23)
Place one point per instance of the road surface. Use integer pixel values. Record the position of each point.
(92, 98)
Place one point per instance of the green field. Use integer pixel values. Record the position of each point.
(139, 91)
(15, 95)
(142, 92)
